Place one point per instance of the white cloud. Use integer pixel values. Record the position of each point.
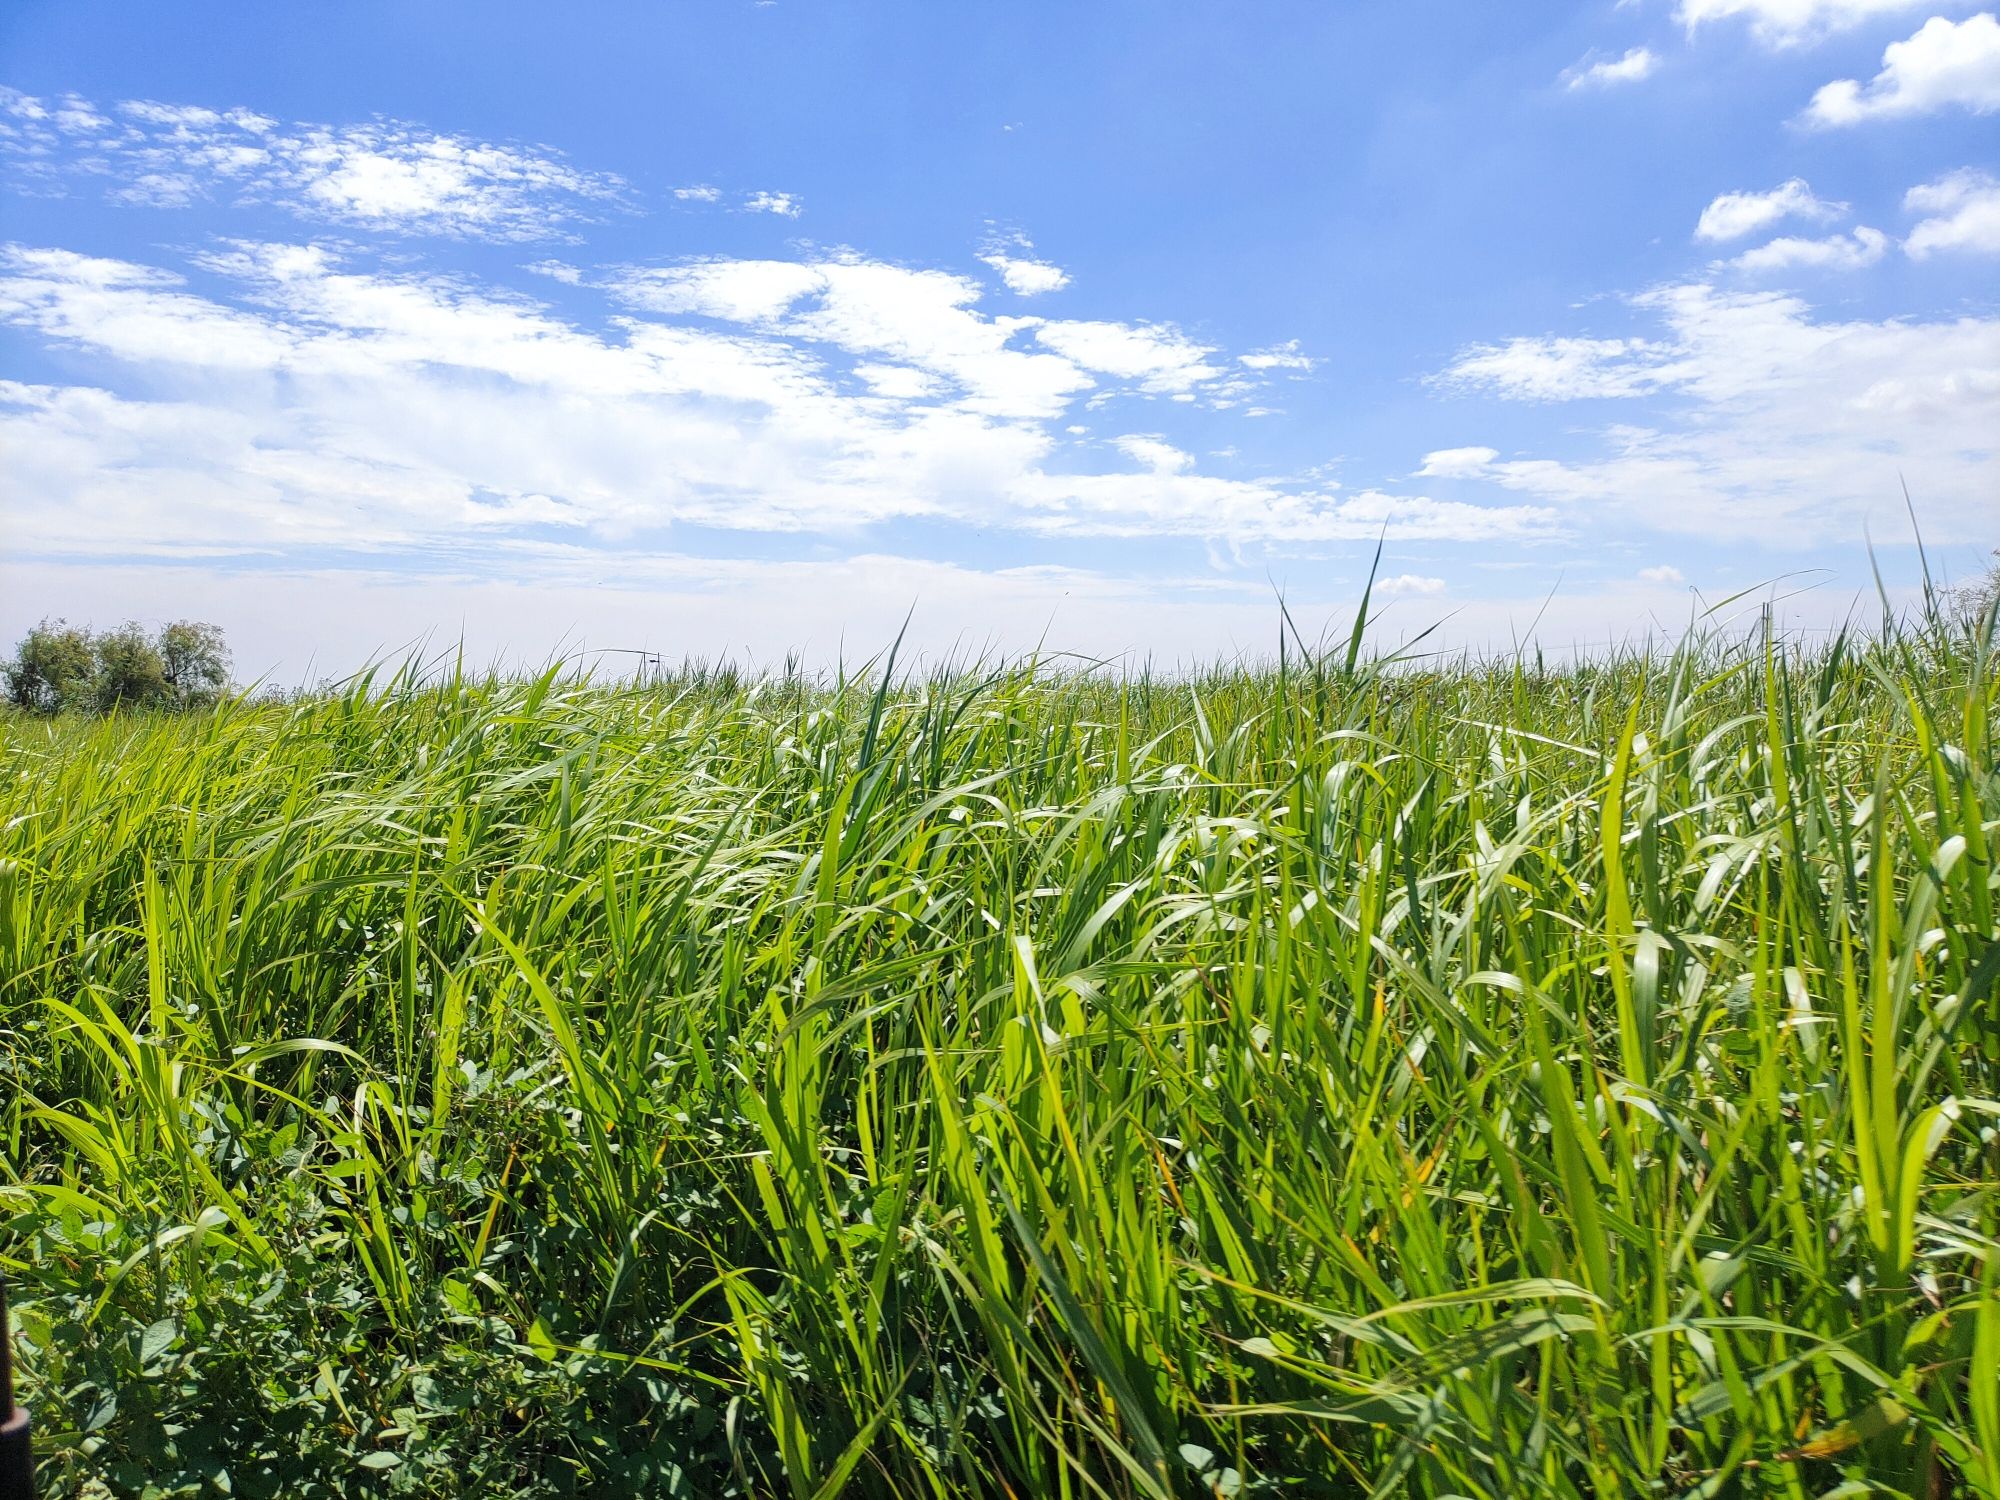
(1944, 63)
(1012, 255)
(1964, 215)
(1405, 584)
(158, 190)
(1733, 215)
(1286, 356)
(1156, 453)
(1554, 369)
(782, 204)
(1456, 463)
(1594, 72)
(1787, 23)
(1836, 252)
(1770, 423)
(191, 119)
(898, 382)
(700, 192)
(921, 318)
(385, 176)
(1027, 278)
(1664, 573)
(1158, 356)
(343, 409)
(737, 291)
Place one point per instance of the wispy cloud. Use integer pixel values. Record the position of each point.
(1733, 215)
(1595, 72)
(1790, 23)
(383, 176)
(1154, 453)
(1286, 356)
(699, 192)
(1836, 252)
(1944, 64)
(1552, 368)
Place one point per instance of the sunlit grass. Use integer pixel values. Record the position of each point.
(1466, 1078)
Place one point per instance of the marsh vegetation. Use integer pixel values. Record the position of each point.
(1468, 1078)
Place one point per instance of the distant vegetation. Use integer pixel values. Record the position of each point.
(1973, 600)
(59, 667)
(1458, 1079)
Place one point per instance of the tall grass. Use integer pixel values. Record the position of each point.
(1462, 1079)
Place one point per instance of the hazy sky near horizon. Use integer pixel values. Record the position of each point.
(747, 326)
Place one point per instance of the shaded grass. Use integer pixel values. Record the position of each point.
(1465, 1078)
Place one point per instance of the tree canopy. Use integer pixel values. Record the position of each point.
(60, 667)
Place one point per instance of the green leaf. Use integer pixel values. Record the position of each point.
(156, 1341)
(541, 1341)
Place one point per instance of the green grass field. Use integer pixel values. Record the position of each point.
(1438, 1078)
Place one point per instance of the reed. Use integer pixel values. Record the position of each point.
(1447, 1077)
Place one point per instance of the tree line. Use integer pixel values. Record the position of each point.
(58, 667)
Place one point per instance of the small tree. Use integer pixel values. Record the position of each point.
(54, 667)
(196, 659)
(130, 670)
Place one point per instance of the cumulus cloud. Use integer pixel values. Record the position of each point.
(1837, 252)
(1664, 573)
(1456, 463)
(784, 205)
(1733, 215)
(699, 192)
(1595, 72)
(330, 405)
(1158, 357)
(1757, 419)
(1024, 275)
(1943, 64)
(1028, 278)
(1407, 584)
(921, 319)
(384, 176)
(1788, 23)
(1962, 214)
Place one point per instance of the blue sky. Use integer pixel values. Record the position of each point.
(744, 327)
